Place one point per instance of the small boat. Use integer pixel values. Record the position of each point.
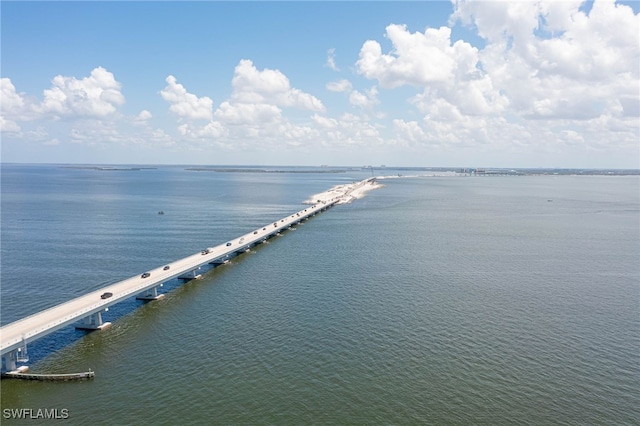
(160, 212)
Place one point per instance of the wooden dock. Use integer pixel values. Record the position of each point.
(50, 377)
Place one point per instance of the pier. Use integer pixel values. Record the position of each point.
(50, 377)
(86, 312)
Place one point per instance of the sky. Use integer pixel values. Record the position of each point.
(462, 83)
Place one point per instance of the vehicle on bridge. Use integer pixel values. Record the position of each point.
(15, 336)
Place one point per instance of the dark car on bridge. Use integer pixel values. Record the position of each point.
(145, 275)
(166, 268)
(106, 295)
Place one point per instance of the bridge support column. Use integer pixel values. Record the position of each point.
(93, 322)
(220, 261)
(10, 359)
(191, 275)
(151, 294)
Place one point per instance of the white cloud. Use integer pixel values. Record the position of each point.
(297, 135)
(495, 19)
(10, 101)
(352, 129)
(95, 96)
(212, 130)
(327, 123)
(449, 72)
(247, 113)
(553, 60)
(409, 131)
(142, 119)
(13, 107)
(339, 86)
(356, 98)
(144, 115)
(364, 100)
(417, 59)
(252, 86)
(550, 78)
(254, 109)
(8, 125)
(331, 62)
(185, 104)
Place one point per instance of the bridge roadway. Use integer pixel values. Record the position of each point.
(16, 335)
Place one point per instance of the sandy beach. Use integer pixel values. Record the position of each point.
(345, 193)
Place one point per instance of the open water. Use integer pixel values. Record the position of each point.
(433, 300)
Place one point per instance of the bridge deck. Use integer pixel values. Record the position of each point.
(18, 333)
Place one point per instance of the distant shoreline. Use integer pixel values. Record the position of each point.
(108, 168)
(198, 169)
(449, 171)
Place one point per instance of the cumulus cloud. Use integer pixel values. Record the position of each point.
(268, 86)
(212, 130)
(555, 60)
(350, 130)
(184, 104)
(417, 59)
(339, 86)
(429, 60)
(11, 102)
(8, 125)
(327, 123)
(409, 130)
(95, 96)
(254, 111)
(549, 74)
(364, 100)
(144, 115)
(247, 113)
(11, 106)
(356, 98)
(331, 63)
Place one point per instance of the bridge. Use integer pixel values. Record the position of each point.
(86, 311)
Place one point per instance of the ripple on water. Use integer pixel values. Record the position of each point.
(431, 301)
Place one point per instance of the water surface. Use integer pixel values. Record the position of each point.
(496, 300)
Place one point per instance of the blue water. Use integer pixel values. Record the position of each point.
(434, 300)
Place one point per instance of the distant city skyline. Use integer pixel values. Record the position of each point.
(523, 84)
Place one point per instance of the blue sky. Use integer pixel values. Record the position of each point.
(463, 83)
